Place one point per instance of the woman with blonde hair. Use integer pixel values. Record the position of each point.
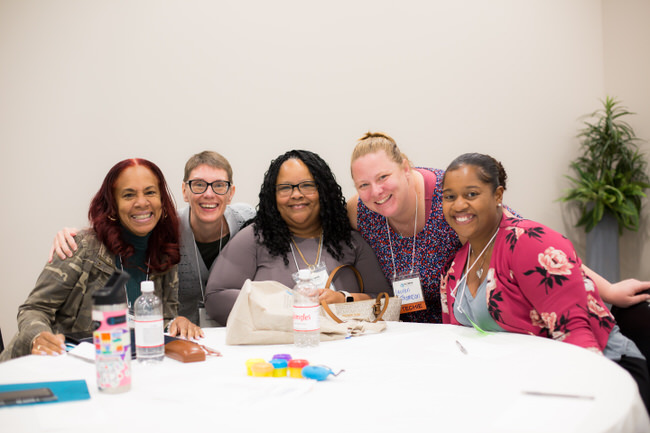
(398, 211)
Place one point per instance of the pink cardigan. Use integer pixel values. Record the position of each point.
(535, 285)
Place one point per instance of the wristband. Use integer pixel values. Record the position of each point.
(169, 325)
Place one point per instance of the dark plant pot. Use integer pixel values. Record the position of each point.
(602, 249)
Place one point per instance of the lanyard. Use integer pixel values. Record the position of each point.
(462, 284)
(198, 266)
(390, 244)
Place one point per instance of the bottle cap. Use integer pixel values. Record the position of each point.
(250, 363)
(279, 363)
(298, 363)
(146, 286)
(262, 369)
(279, 367)
(114, 291)
(295, 367)
(282, 356)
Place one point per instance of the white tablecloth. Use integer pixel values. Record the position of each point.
(411, 376)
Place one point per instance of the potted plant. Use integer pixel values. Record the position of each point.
(609, 182)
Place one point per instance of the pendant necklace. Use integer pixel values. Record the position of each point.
(309, 265)
(479, 271)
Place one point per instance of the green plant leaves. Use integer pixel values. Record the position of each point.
(611, 174)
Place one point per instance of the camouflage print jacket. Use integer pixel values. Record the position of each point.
(62, 300)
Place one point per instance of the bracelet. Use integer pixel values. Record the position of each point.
(31, 345)
(169, 325)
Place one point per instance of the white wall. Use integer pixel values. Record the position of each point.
(84, 84)
(627, 68)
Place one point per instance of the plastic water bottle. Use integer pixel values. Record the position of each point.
(306, 311)
(111, 335)
(149, 338)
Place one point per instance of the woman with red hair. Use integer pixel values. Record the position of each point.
(134, 227)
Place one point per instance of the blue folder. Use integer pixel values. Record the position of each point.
(64, 390)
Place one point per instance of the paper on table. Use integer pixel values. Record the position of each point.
(84, 350)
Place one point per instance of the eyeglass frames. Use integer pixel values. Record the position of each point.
(307, 187)
(199, 186)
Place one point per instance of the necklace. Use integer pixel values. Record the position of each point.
(207, 265)
(479, 271)
(309, 265)
(128, 302)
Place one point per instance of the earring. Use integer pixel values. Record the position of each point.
(111, 218)
(499, 204)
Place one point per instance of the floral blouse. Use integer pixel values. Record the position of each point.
(535, 285)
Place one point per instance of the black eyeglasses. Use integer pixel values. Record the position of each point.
(307, 187)
(199, 186)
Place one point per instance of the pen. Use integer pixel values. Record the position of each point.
(461, 347)
(557, 394)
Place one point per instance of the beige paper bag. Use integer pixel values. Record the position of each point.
(263, 314)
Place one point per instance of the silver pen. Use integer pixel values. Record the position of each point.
(557, 394)
(461, 347)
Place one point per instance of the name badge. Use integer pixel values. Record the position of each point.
(407, 287)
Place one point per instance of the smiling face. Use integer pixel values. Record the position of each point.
(382, 184)
(207, 208)
(301, 212)
(138, 201)
(470, 205)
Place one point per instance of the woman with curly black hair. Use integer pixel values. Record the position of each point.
(301, 223)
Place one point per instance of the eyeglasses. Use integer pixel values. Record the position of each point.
(199, 186)
(307, 187)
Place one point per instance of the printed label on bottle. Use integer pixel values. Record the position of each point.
(306, 318)
(149, 333)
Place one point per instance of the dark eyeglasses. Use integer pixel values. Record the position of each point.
(199, 186)
(307, 187)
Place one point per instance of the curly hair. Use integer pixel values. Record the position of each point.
(163, 247)
(272, 231)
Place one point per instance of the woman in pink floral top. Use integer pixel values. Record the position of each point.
(516, 275)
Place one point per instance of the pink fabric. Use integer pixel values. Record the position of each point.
(535, 285)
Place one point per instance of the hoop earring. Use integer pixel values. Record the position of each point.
(111, 218)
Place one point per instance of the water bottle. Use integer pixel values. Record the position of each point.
(111, 335)
(149, 338)
(306, 311)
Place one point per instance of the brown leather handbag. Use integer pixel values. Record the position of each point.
(370, 310)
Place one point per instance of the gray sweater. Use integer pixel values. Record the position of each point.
(192, 271)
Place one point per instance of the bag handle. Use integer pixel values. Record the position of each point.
(376, 308)
(329, 312)
(336, 269)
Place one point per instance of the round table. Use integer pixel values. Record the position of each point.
(411, 376)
